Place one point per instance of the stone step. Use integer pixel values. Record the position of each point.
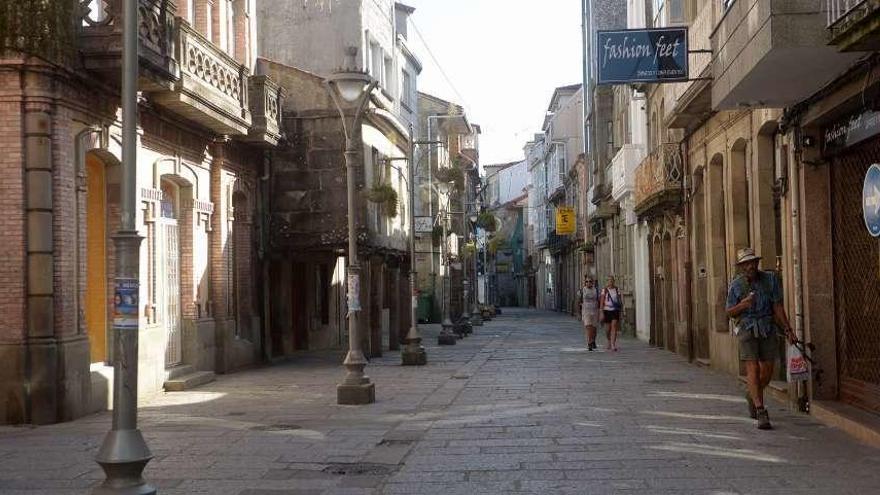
(189, 382)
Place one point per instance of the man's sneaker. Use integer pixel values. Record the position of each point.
(753, 411)
(763, 419)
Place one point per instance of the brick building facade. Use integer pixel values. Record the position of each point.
(205, 120)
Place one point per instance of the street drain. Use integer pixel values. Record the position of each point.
(359, 469)
(665, 381)
(278, 427)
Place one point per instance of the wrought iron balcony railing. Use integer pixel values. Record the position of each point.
(659, 179)
(100, 40)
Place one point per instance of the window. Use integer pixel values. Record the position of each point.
(376, 61)
(658, 10)
(406, 97)
(388, 80)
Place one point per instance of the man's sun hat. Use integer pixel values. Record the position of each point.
(745, 255)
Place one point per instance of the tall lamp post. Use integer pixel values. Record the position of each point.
(350, 87)
(124, 453)
(446, 336)
(476, 316)
(414, 352)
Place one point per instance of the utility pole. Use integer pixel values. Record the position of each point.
(414, 353)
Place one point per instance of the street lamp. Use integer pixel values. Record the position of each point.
(446, 336)
(124, 453)
(476, 314)
(414, 353)
(350, 87)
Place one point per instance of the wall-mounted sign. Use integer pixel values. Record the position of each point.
(851, 130)
(565, 220)
(871, 200)
(642, 55)
(424, 225)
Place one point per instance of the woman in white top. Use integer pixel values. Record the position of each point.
(611, 303)
(589, 299)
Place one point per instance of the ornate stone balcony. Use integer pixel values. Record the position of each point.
(213, 87)
(100, 40)
(854, 25)
(265, 104)
(658, 180)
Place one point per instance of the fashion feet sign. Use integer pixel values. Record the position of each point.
(642, 55)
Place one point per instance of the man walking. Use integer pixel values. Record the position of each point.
(754, 302)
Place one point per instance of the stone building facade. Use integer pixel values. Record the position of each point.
(303, 44)
(205, 121)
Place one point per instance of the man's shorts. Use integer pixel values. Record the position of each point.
(753, 348)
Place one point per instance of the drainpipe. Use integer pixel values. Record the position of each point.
(687, 188)
(796, 248)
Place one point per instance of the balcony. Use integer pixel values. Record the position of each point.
(693, 99)
(213, 87)
(658, 180)
(854, 25)
(100, 41)
(623, 168)
(772, 53)
(265, 98)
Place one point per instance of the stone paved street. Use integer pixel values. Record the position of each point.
(519, 407)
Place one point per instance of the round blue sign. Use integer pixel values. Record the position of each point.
(871, 200)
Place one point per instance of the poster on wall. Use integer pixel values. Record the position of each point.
(565, 220)
(642, 55)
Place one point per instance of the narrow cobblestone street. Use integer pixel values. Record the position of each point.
(518, 407)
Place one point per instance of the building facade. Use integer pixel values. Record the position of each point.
(302, 45)
(205, 121)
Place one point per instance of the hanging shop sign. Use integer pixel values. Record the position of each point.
(565, 220)
(871, 200)
(642, 55)
(851, 130)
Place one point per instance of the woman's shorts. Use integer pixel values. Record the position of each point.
(611, 316)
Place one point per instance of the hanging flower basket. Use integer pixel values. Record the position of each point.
(385, 195)
(452, 174)
(487, 222)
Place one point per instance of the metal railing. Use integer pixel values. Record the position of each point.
(839, 9)
(661, 171)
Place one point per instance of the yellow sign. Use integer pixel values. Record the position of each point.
(565, 220)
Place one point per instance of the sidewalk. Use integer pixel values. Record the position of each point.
(518, 407)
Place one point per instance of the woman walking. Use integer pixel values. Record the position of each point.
(589, 298)
(611, 304)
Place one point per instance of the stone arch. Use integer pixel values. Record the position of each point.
(716, 245)
(738, 199)
(767, 226)
(699, 275)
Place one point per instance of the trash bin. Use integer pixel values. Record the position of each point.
(423, 310)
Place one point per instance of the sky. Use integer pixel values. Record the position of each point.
(504, 58)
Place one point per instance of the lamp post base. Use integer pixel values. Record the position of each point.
(355, 395)
(414, 357)
(123, 456)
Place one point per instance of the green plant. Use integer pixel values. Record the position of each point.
(453, 174)
(386, 195)
(487, 221)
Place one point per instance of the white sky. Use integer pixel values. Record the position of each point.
(504, 57)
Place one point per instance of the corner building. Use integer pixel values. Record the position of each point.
(205, 120)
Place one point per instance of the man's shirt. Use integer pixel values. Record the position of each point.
(758, 318)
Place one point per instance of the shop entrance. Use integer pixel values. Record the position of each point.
(856, 281)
